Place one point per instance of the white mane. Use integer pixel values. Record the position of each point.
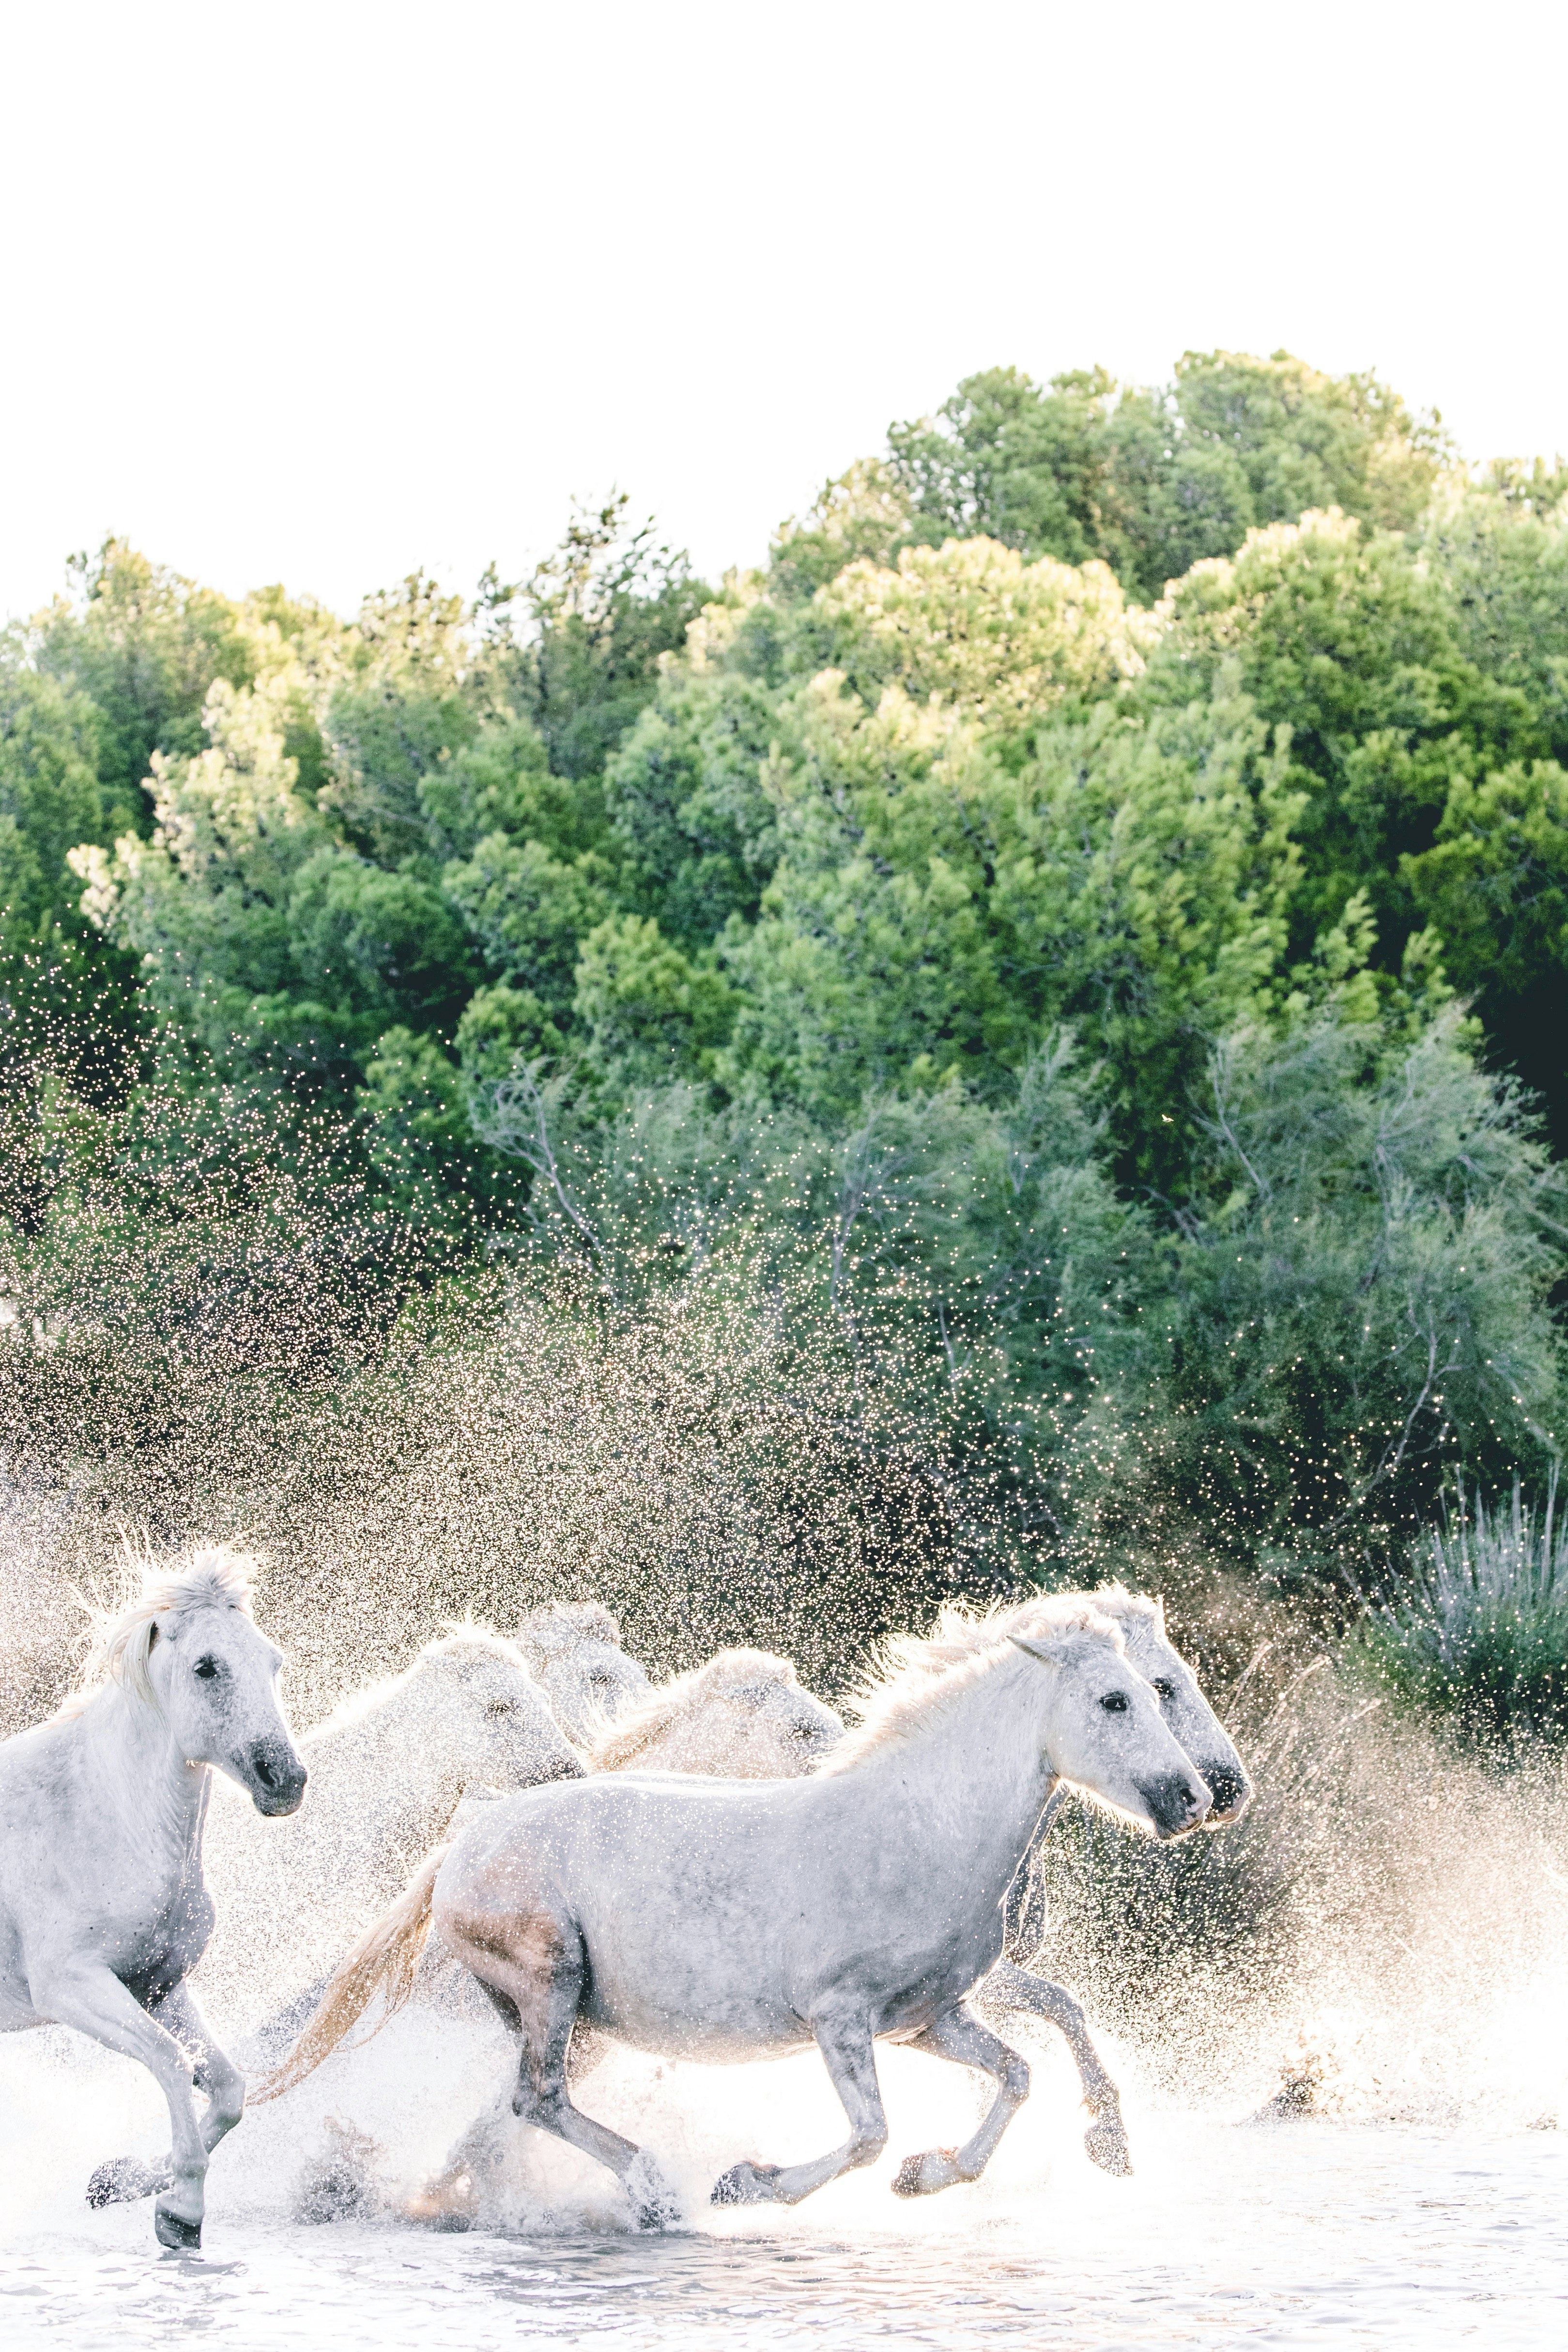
(626, 1738)
(211, 1576)
(914, 1674)
(1116, 1602)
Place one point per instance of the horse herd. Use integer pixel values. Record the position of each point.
(713, 1869)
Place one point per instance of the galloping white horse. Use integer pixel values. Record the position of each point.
(387, 1770)
(103, 1912)
(741, 1714)
(726, 1920)
(574, 1652)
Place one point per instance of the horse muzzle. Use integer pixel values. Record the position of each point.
(1231, 1792)
(1176, 1803)
(274, 1776)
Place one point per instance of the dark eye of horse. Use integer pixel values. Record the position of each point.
(207, 1668)
(1114, 1702)
(1166, 1690)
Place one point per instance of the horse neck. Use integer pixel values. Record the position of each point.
(159, 1797)
(972, 1773)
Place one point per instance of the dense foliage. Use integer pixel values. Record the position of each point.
(1078, 939)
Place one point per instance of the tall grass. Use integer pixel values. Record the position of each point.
(1480, 1636)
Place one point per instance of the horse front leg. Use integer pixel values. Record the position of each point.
(849, 2056)
(1009, 1988)
(95, 2002)
(959, 2036)
(126, 2177)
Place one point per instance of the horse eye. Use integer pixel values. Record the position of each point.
(1114, 1702)
(1166, 1690)
(207, 1668)
(501, 1706)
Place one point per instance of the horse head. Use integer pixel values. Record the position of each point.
(488, 1713)
(741, 1714)
(213, 1676)
(1104, 1730)
(1187, 1712)
(573, 1652)
(764, 1726)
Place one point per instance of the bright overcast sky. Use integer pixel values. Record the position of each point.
(322, 292)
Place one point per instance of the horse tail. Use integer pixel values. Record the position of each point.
(385, 1959)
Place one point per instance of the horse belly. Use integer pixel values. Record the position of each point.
(720, 2023)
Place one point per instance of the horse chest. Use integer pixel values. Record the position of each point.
(152, 1935)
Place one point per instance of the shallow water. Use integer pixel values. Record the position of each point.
(1287, 2232)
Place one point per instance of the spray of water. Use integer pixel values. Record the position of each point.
(1384, 1938)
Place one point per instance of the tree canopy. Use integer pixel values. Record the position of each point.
(1086, 922)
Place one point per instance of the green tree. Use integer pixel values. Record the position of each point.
(144, 645)
(578, 644)
(1363, 1298)
(1152, 481)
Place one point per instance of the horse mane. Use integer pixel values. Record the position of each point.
(561, 1623)
(209, 1576)
(913, 1674)
(1115, 1600)
(622, 1741)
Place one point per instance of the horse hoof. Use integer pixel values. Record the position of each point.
(124, 2180)
(922, 2176)
(746, 2184)
(655, 2205)
(184, 2237)
(1107, 2146)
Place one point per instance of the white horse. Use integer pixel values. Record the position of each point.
(104, 1912)
(741, 1714)
(725, 1920)
(387, 1770)
(574, 1652)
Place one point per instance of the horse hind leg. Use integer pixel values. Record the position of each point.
(959, 2036)
(535, 1964)
(1011, 1988)
(451, 2198)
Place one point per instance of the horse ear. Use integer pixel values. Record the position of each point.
(1159, 1615)
(1048, 1653)
(152, 1637)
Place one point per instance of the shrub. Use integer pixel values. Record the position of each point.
(1481, 1636)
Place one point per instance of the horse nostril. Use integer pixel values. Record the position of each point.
(263, 1770)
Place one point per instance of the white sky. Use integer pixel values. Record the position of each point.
(322, 292)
